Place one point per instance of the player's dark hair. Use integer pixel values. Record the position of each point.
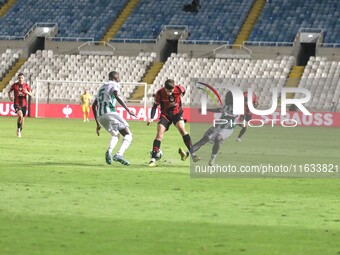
(113, 75)
(20, 74)
(228, 100)
(169, 84)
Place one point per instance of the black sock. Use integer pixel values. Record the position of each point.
(199, 144)
(187, 141)
(243, 130)
(155, 147)
(216, 147)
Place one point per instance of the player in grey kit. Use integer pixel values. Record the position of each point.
(221, 130)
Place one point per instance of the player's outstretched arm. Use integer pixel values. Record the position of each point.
(94, 109)
(214, 110)
(122, 103)
(10, 95)
(153, 112)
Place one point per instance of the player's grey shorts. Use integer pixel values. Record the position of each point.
(112, 122)
(213, 132)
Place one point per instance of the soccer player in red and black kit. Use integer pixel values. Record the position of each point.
(169, 99)
(20, 90)
(247, 114)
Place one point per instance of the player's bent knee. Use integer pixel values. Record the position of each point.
(128, 137)
(219, 138)
(114, 133)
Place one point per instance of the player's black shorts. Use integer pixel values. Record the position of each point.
(246, 116)
(18, 108)
(166, 121)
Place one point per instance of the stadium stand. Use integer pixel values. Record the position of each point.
(280, 20)
(8, 59)
(322, 79)
(45, 65)
(86, 18)
(216, 20)
(259, 74)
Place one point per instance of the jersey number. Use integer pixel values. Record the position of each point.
(101, 95)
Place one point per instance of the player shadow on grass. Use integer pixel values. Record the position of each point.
(139, 166)
(64, 164)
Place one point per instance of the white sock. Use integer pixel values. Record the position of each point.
(113, 143)
(213, 157)
(125, 144)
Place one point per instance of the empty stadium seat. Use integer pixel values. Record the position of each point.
(259, 74)
(7, 60)
(74, 18)
(321, 78)
(84, 69)
(280, 20)
(216, 20)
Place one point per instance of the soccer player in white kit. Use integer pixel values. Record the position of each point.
(104, 110)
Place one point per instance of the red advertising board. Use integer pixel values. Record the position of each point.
(324, 119)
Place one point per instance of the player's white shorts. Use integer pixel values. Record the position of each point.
(112, 122)
(213, 132)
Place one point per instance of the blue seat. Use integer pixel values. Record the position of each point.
(215, 16)
(25, 13)
(278, 14)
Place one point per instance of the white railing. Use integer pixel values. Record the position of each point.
(195, 42)
(136, 40)
(110, 50)
(264, 43)
(310, 30)
(232, 46)
(71, 39)
(39, 24)
(329, 45)
(131, 40)
(164, 28)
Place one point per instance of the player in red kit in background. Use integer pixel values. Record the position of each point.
(247, 114)
(169, 99)
(20, 90)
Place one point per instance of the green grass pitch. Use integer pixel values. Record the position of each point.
(58, 196)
